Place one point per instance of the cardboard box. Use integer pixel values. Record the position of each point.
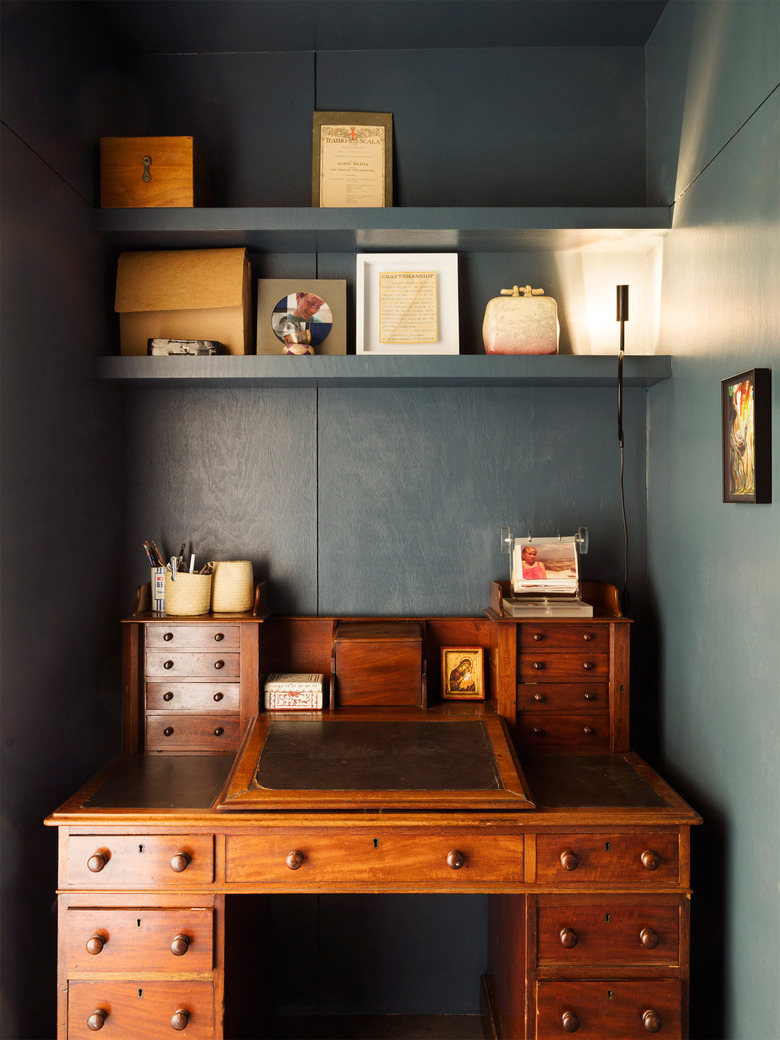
(153, 171)
(184, 294)
(286, 691)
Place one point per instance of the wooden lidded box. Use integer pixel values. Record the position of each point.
(379, 662)
(153, 171)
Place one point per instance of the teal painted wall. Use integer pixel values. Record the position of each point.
(714, 568)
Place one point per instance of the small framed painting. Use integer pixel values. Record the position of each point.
(746, 402)
(462, 673)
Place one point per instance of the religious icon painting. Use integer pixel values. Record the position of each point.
(462, 673)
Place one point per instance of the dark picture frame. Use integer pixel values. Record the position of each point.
(468, 664)
(746, 403)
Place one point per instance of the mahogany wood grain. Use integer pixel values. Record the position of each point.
(552, 636)
(614, 857)
(609, 1009)
(214, 664)
(142, 860)
(349, 861)
(508, 962)
(177, 635)
(538, 666)
(193, 696)
(185, 732)
(563, 697)
(556, 732)
(609, 930)
(140, 1009)
(139, 939)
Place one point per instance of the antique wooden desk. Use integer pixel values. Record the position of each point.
(585, 860)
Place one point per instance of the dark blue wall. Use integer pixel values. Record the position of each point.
(368, 501)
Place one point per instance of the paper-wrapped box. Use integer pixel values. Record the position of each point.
(184, 294)
(293, 691)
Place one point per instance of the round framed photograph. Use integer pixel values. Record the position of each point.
(301, 321)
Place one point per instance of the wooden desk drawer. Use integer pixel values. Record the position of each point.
(609, 1009)
(537, 731)
(350, 860)
(212, 665)
(173, 940)
(140, 860)
(652, 857)
(610, 931)
(562, 637)
(193, 696)
(140, 1009)
(192, 732)
(192, 637)
(563, 697)
(543, 667)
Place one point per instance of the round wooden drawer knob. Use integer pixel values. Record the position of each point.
(180, 945)
(538, 731)
(570, 1022)
(650, 860)
(219, 664)
(168, 696)
(587, 636)
(539, 666)
(218, 731)
(95, 945)
(180, 1019)
(97, 861)
(455, 859)
(569, 860)
(168, 731)
(538, 636)
(168, 665)
(294, 860)
(539, 697)
(588, 731)
(218, 637)
(180, 862)
(589, 696)
(168, 637)
(568, 938)
(651, 1020)
(648, 938)
(588, 666)
(218, 696)
(97, 1020)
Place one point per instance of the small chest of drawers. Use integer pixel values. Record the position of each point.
(563, 683)
(192, 683)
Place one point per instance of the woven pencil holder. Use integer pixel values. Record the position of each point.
(189, 594)
(232, 587)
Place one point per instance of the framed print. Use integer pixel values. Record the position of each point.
(352, 159)
(407, 303)
(462, 673)
(746, 402)
(301, 316)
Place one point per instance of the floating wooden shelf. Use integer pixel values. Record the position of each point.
(384, 371)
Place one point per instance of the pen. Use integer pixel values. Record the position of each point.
(158, 554)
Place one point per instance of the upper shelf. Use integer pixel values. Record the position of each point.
(451, 370)
(466, 229)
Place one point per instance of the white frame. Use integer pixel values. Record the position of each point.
(371, 265)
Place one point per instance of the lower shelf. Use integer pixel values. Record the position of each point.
(251, 370)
